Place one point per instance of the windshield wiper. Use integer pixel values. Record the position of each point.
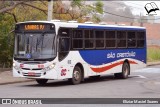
(40, 40)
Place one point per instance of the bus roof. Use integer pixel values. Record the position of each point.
(91, 26)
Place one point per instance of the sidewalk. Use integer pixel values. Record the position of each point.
(153, 63)
(7, 78)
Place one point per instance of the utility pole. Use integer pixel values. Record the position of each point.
(50, 9)
(141, 22)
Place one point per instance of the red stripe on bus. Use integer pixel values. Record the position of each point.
(132, 62)
(102, 69)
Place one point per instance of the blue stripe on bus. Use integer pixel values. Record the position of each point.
(109, 27)
(99, 57)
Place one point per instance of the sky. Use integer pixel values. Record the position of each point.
(138, 7)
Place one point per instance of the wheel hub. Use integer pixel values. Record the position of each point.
(126, 71)
(76, 75)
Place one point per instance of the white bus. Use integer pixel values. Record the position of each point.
(61, 50)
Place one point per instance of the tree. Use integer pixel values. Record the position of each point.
(77, 10)
(12, 12)
(64, 10)
(5, 51)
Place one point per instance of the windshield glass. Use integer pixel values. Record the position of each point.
(34, 46)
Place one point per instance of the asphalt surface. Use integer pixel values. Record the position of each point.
(144, 83)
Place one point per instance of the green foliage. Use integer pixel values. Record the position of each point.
(27, 13)
(95, 18)
(37, 10)
(7, 23)
(75, 3)
(153, 54)
(99, 7)
(78, 10)
(5, 51)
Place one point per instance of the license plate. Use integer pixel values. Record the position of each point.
(31, 73)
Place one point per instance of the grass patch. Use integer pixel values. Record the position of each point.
(153, 53)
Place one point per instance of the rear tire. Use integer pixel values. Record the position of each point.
(76, 76)
(125, 71)
(42, 81)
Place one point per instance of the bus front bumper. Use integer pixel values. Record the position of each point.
(36, 74)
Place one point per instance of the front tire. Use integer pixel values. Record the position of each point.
(76, 76)
(42, 81)
(125, 71)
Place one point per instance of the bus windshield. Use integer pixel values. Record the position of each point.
(35, 46)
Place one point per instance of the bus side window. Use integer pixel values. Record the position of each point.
(89, 39)
(99, 35)
(140, 39)
(121, 39)
(110, 39)
(131, 39)
(64, 43)
(77, 39)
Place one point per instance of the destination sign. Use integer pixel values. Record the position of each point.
(34, 27)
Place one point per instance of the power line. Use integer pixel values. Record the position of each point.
(120, 3)
(135, 4)
(128, 17)
(124, 16)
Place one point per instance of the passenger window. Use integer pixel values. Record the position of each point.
(77, 34)
(77, 40)
(99, 35)
(88, 34)
(89, 39)
(121, 39)
(131, 39)
(140, 39)
(77, 43)
(89, 43)
(110, 39)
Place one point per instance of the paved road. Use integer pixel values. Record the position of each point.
(142, 83)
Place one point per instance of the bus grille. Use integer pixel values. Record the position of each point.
(32, 69)
(32, 75)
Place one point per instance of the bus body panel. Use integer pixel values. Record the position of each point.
(94, 61)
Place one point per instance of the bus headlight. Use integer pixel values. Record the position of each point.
(16, 67)
(14, 64)
(49, 67)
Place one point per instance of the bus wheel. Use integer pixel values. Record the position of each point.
(125, 71)
(42, 81)
(76, 76)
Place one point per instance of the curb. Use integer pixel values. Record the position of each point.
(7, 78)
(153, 63)
(13, 82)
(5, 69)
